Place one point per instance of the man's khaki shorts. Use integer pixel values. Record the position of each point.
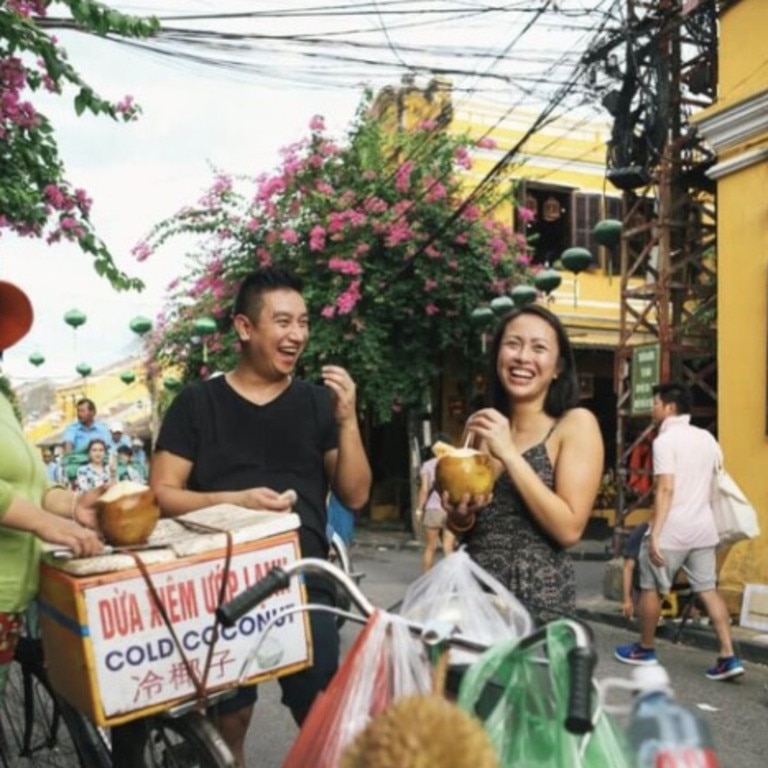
(697, 564)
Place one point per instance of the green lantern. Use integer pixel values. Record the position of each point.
(83, 369)
(607, 232)
(548, 280)
(523, 294)
(205, 326)
(501, 305)
(140, 325)
(576, 260)
(171, 383)
(127, 377)
(482, 316)
(75, 318)
(36, 359)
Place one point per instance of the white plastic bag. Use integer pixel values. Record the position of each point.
(461, 593)
(735, 517)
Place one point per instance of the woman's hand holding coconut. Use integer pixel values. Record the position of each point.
(465, 479)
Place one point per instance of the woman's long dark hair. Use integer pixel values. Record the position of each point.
(564, 391)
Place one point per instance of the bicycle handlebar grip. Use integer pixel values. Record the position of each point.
(581, 664)
(238, 606)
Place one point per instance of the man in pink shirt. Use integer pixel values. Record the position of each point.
(682, 533)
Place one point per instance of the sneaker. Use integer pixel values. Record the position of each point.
(726, 668)
(636, 654)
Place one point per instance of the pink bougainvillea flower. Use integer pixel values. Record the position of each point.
(525, 214)
(348, 300)
(403, 176)
(345, 266)
(316, 238)
(141, 251)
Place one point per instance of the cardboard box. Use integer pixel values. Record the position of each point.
(754, 607)
(110, 653)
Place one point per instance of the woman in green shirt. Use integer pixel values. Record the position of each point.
(30, 508)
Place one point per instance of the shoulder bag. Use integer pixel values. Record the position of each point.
(735, 517)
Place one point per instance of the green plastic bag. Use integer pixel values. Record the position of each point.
(521, 695)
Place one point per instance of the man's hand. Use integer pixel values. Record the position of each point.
(654, 552)
(344, 391)
(628, 608)
(266, 498)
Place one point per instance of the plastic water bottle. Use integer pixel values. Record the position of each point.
(663, 733)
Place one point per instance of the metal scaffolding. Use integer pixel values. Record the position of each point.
(663, 59)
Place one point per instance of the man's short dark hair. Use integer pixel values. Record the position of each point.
(126, 449)
(249, 299)
(86, 401)
(674, 392)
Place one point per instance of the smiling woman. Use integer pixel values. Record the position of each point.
(548, 459)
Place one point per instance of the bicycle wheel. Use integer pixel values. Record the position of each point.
(35, 727)
(161, 741)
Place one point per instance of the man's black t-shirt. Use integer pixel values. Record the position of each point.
(235, 444)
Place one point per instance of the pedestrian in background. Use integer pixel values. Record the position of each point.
(52, 466)
(78, 435)
(548, 456)
(249, 436)
(341, 519)
(97, 471)
(683, 533)
(430, 512)
(124, 468)
(630, 572)
(117, 437)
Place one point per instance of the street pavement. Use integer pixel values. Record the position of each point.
(591, 556)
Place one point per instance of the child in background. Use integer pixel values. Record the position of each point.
(630, 576)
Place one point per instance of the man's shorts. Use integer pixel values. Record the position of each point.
(299, 688)
(697, 564)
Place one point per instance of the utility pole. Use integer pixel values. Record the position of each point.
(664, 57)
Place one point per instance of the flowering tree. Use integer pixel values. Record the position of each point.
(393, 265)
(36, 200)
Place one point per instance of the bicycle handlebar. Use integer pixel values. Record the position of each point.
(279, 578)
(581, 659)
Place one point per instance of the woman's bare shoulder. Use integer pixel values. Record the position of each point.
(578, 419)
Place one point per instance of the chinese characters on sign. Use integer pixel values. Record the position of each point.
(137, 661)
(645, 373)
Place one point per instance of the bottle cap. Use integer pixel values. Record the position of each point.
(652, 677)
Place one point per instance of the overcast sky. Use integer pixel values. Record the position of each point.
(196, 117)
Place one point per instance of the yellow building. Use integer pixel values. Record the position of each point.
(116, 396)
(736, 127)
